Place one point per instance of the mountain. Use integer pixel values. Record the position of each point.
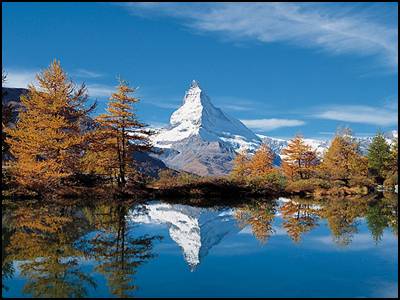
(201, 138)
(196, 230)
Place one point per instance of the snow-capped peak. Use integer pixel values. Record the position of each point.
(191, 111)
(194, 84)
(199, 117)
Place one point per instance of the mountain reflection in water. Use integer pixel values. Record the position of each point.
(113, 250)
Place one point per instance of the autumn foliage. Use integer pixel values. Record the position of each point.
(343, 161)
(119, 133)
(299, 160)
(47, 140)
(260, 164)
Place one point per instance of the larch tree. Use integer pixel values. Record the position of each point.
(47, 140)
(241, 166)
(298, 159)
(342, 160)
(262, 160)
(379, 157)
(6, 118)
(120, 134)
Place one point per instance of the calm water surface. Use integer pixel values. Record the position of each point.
(281, 248)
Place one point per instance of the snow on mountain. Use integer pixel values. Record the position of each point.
(201, 138)
(196, 230)
(198, 116)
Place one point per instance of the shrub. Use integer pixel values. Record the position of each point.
(361, 181)
(166, 178)
(307, 185)
(391, 181)
(273, 182)
(187, 178)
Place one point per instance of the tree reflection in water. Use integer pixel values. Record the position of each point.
(42, 242)
(259, 215)
(299, 216)
(116, 251)
(48, 243)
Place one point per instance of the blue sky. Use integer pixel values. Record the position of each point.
(281, 68)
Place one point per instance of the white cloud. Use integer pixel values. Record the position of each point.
(360, 114)
(20, 78)
(168, 105)
(344, 29)
(83, 73)
(272, 124)
(235, 107)
(235, 103)
(100, 90)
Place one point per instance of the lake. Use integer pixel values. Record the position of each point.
(274, 248)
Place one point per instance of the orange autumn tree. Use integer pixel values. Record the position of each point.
(241, 166)
(261, 162)
(343, 162)
(47, 140)
(119, 135)
(299, 161)
(6, 119)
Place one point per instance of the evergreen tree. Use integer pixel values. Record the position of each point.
(394, 155)
(47, 140)
(379, 157)
(120, 134)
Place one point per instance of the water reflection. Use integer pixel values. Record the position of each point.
(51, 246)
(42, 241)
(118, 254)
(300, 216)
(50, 242)
(259, 216)
(196, 230)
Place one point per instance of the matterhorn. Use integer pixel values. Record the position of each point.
(201, 138)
